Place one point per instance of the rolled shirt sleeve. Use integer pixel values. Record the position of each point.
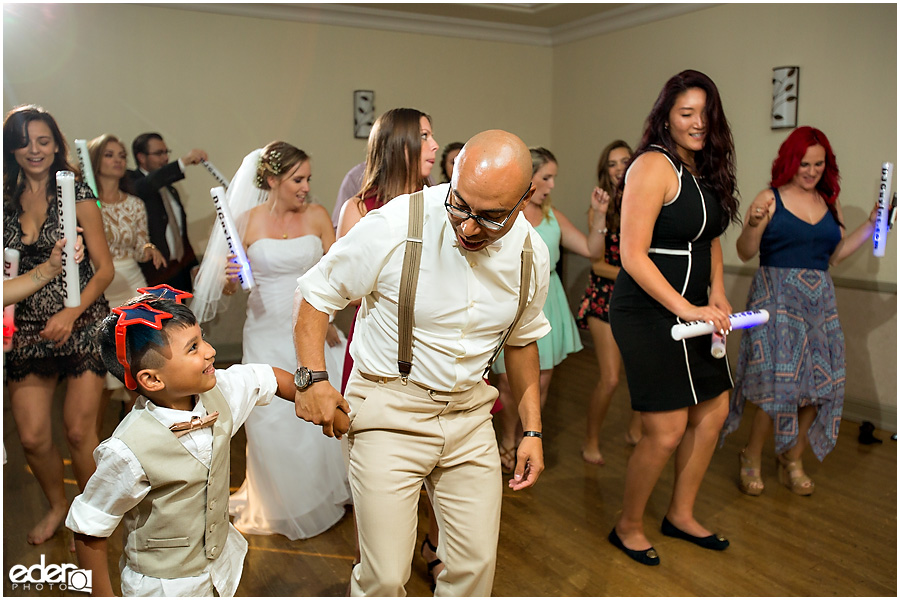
(117, 486)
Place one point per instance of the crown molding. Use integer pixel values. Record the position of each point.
(616, 19)
(389, 20)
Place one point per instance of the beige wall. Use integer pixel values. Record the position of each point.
(604, 87)
(230, 84)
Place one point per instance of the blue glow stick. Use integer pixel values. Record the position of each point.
(235, 246)
(879, 236)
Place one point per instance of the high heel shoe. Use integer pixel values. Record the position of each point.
(647, 557)
(432, 565)
(751, 483)
(792, 476)
(710, 542)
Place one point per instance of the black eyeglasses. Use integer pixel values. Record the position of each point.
(462, 214)
(160, 153)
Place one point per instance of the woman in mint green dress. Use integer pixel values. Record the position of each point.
(556, 230)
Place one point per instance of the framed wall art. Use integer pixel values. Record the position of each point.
(785, 97)
(363, 112)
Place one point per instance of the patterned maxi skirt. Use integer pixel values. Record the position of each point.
(794, 360)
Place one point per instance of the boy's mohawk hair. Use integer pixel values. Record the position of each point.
(131, 330)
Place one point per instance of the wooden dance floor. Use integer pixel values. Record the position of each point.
(841, 541)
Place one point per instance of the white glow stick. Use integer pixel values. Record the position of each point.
(750, 318)
(65, 203)
(84, 162)
(717, 349)
(879, 236)
(231, 236)
(10, 270)
(215, 173)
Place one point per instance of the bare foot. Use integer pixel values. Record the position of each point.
(47, 526)
(592, 456)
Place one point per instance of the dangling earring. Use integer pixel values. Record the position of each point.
(667, 126)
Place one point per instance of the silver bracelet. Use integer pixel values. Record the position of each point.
(536, 434)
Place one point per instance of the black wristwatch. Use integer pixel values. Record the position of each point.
(303, 378)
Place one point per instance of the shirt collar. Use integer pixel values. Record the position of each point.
(169, 416)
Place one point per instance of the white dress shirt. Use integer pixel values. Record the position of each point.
(119, 484)
(465, 301)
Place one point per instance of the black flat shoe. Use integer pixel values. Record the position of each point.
(710, 542)
(647, 557)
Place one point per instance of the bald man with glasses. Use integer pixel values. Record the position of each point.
(417, 407)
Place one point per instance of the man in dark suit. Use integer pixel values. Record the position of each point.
(166, 220)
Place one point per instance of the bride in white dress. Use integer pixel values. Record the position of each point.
(296, 482)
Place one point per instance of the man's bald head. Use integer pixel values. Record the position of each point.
(491, 180)
(496, 162)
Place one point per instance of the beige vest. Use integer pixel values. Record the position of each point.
(182, 524)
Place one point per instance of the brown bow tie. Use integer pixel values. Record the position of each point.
(179, 429)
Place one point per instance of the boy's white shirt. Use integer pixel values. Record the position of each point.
(119, 484)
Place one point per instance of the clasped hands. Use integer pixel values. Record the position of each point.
(322, 405)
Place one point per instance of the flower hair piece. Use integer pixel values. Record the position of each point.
(268, 163)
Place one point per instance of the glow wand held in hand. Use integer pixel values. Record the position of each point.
(879, 236)
(84, 163)
(743, 320)
(215, 173)
(10, 270)
(65, 202)
(235, 246)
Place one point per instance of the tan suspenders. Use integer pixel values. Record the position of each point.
(409, 279)
(524, 286)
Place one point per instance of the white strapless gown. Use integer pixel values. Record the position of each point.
(296, 481)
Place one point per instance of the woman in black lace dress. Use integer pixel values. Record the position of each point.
(52, 342)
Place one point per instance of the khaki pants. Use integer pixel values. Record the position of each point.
(401, 435)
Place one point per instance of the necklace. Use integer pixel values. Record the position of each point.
(284, 223)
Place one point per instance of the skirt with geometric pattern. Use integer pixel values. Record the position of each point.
(794, 360)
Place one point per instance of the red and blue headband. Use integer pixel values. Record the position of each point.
(143, 314)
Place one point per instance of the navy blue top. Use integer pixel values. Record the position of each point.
(792, 243)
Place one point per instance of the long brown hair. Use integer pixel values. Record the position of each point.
(393, 154)
(15, 136)
(715, 162)
(605, 183)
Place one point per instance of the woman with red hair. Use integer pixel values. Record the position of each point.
(792, 368)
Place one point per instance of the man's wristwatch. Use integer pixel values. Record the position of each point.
(303, 378)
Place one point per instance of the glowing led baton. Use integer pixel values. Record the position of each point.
(231, 237)
(84, 162)
(879, 236)
(65, 203)
(215, 173)
(10, 270)
(750, 318)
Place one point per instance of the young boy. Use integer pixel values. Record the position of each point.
(165, 469)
